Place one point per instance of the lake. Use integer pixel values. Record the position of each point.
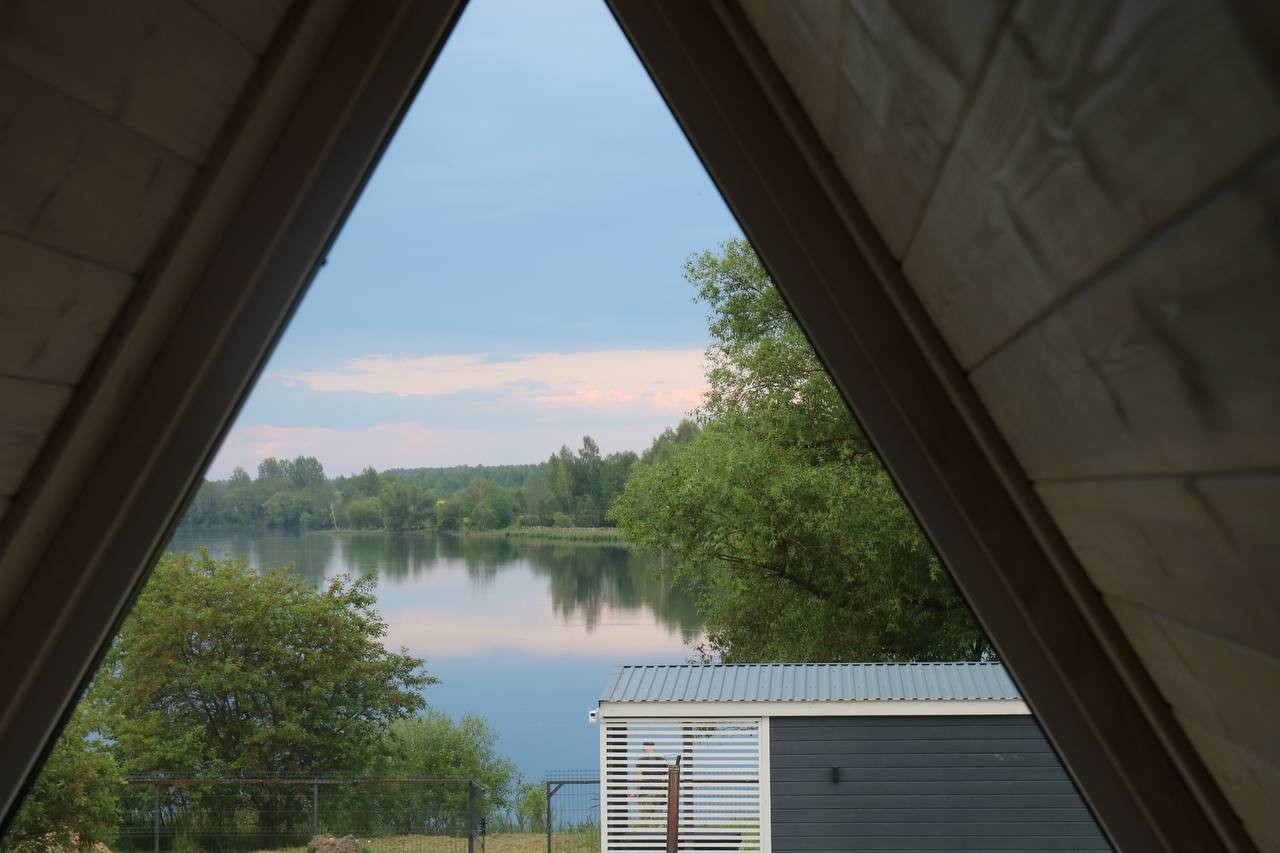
(525, 633)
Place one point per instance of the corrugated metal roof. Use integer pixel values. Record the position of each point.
(810, 682)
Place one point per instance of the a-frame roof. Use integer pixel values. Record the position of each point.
(1033, 242)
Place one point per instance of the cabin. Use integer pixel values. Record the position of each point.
(811, 758)
(1033, 242)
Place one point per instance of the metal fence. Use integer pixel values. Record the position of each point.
(573, 812)
(225, 814)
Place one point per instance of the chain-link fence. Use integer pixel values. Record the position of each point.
(279, 814)
(573, 812)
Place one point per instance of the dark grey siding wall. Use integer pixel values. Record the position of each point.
(922, 783)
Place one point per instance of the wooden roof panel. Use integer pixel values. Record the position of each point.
(887, 83)
(1099, 251)
(162, 68)
(1168, 364)
(253, 22)
(1175, 543)
(55, 310)
(29, 412)
(1073, 150)
(78, 182)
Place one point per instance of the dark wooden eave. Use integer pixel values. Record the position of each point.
(1114, 730)
(110, 481)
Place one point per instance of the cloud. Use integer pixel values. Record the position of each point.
(666, 380)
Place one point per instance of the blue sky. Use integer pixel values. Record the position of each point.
(510, 279)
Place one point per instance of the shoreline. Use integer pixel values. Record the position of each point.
(597, 535)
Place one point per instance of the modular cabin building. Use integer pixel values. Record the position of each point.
(818, 758)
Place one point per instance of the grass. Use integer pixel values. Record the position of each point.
(602, 535)
(501, 842)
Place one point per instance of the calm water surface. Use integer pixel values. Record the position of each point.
(526, 634)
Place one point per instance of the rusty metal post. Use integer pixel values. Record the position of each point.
(550, 794)
(471, 816)
(673, 807)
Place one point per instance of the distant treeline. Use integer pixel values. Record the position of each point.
(570, 489)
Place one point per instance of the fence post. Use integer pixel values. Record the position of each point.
(673, 807)
(550, 794)
(157, 819)
(471, 816)
(315, 809)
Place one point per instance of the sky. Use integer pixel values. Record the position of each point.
(510, 279)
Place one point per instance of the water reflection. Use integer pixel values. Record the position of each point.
(525, 634)
(583, 584)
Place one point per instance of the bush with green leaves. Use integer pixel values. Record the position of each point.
(73, 803)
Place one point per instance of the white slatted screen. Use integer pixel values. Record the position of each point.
(719, 784)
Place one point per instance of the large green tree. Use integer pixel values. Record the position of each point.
(778, 512)
(220, 669)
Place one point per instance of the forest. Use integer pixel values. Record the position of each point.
(570, 489)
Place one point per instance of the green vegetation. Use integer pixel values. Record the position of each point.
(596, 535)
(73, 805)
(227, 670)
(778, 512)
(222, 671)
(569, 490)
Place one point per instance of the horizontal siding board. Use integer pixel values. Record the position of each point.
(920, 826)
(908, 747)
(909, 729)
(998, 772)
(1061, 815)
(926, 759)
(993, 784)
(891, 844)
(840, 802)
(1014, 785)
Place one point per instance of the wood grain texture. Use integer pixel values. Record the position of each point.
(252, 22)
(1217, 690)
(159, 67)
(1169, 364)
(1242, 684)
(1072, 661)
(29, 412)
(885, 85)
(1093, 126)
(1249, 781)
(1200, 549)
(76, 181)
(54, 311)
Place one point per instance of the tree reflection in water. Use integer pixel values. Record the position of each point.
(585, 580)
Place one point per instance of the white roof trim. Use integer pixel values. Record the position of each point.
(850, 708)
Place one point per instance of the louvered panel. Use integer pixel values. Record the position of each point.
(720, 764)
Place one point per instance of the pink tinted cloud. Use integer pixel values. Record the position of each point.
(669, 380)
